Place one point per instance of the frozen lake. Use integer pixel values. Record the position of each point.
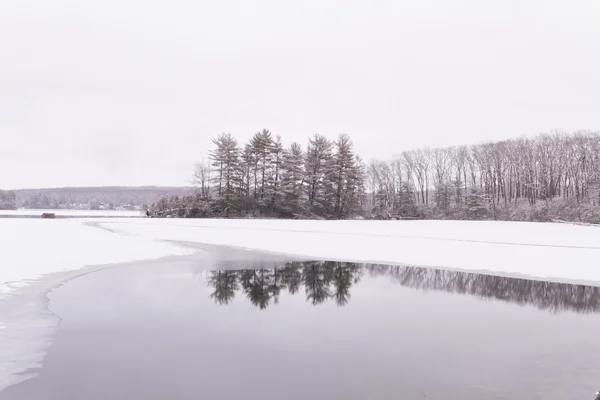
(245, 325)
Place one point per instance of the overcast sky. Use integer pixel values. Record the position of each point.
(124, 92)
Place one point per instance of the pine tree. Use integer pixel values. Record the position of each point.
(292, 177)
(274, 182)
(317, 164)
(344, 177)
(443, 197)
(248, 163)
(407, 200)
(262, 148)
(226, 162)
(476, 203)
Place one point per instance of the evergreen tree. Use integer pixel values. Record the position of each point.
(347, 177)
(443, 197)
(274, 185)
(407, 200)
(476, 203)
(292, 177)
(248, 163)
(226, 162)
(317, 164)
(262, 149)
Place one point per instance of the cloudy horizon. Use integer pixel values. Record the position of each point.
(131, 93)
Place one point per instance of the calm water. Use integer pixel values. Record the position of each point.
(264, 328)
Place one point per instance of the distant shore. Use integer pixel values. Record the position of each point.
(71, 213)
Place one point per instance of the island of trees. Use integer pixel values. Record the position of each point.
(545, 178)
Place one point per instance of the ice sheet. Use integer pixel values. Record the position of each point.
(558, 252)
(30, 248)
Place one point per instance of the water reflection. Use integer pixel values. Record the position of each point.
(323, 281)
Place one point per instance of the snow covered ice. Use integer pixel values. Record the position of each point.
(557, 252)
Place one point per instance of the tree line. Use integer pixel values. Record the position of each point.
(548, 177)
(323, 281)
(262, 178)
(89, 198)
(8, 200)
(551, 176)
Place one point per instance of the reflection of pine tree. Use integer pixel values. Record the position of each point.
(291, 276)
(275, 284)
(262, 285)
(225, 284)
(256, 286)
(344, 275)
(316, 282)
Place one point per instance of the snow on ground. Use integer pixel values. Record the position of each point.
(71, 213)
(30, 248)
(558, 252)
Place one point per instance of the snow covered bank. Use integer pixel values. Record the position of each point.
(557, 252)
(32, 251)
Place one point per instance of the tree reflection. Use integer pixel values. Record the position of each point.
(551, 296)
(333, 281)
(225, 284)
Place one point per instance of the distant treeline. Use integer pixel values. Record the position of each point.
(89, 198)
(548, 177)
(8, 200)
(551, 176)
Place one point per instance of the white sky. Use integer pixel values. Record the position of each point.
(126, 92)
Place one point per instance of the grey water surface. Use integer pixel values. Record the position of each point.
(241, 325)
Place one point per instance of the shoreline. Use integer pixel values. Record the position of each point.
(28, 323)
